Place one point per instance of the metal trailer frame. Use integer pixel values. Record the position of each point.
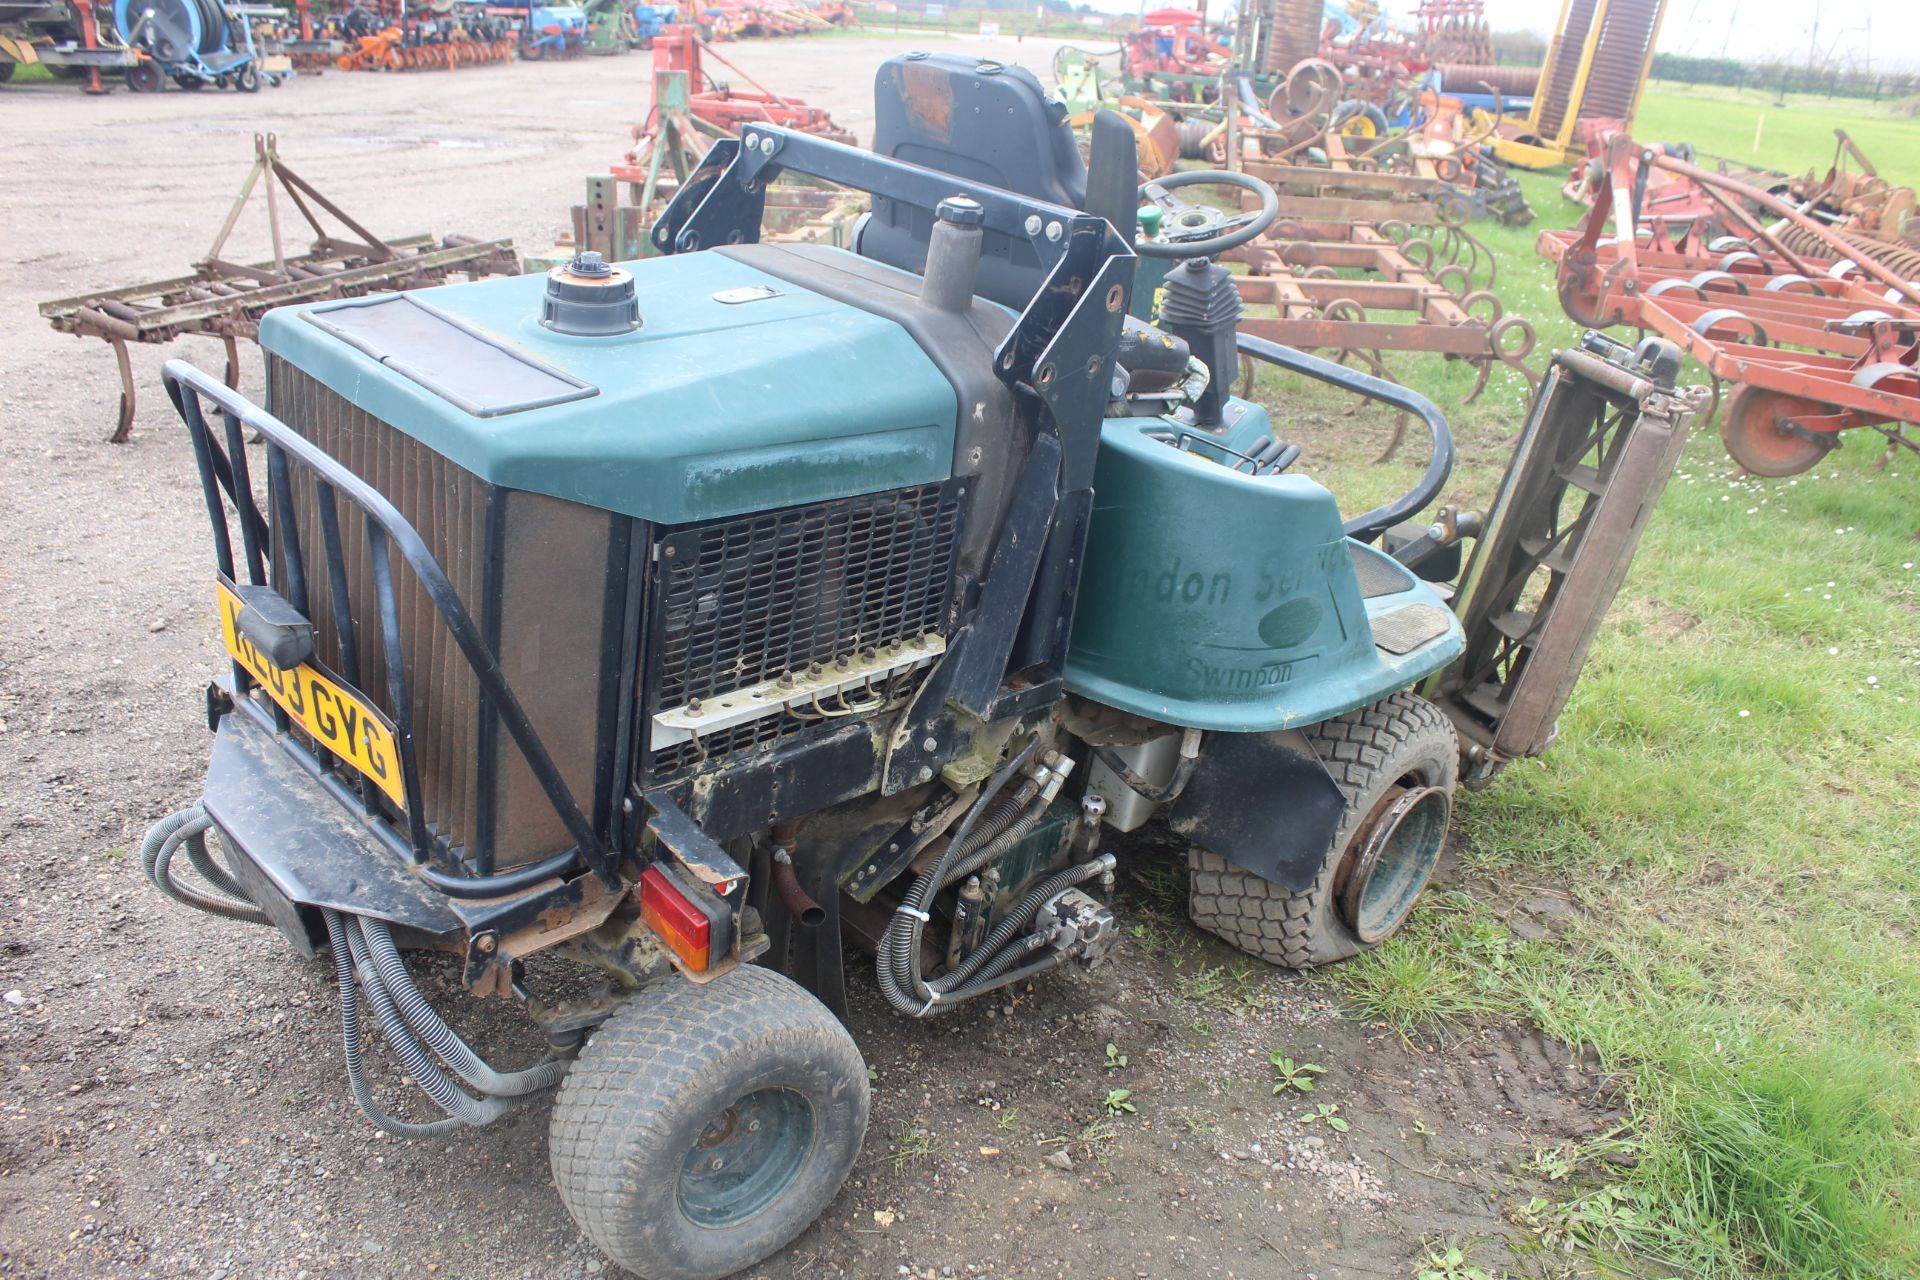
(224, 299)
(1812, 346)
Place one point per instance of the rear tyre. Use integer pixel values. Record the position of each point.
(1359, 120)
(1396, 763)
(704, 1127)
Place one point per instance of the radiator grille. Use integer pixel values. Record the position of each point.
(447, 504)
(748, 599)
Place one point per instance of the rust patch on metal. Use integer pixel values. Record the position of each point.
(928, 94)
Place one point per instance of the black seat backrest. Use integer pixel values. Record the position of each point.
(979, 120)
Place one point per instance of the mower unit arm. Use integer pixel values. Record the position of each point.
(1369, 526)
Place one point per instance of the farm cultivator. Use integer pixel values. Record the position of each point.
(227, 300)
(1419, 289)
(1810, 343)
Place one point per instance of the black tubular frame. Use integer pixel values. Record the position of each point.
(1368, 526)
(225, 480)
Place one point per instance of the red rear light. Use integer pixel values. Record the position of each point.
(680, 924)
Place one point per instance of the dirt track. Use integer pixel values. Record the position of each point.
(175, 1103)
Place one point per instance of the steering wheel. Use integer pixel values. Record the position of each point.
(1195, 230)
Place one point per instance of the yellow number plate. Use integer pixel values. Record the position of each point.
(340, 720)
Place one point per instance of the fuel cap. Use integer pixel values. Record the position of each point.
(590, 298)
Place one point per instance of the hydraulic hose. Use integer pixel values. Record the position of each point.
(212, 872)
(1017, 920)
(350, 1045)
(164, 840)
(414, 1059)
(993, 788)
(439, 1037)
(897, 961)
(1000, 974)
(901, 981)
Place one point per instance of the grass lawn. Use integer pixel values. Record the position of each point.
(1793, 138)
(1732, 806)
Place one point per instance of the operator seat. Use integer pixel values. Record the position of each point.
(979, 120)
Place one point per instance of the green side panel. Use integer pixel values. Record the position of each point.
(712, 408)
(1217, 600)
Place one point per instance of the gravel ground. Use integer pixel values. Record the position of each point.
(175, 1102)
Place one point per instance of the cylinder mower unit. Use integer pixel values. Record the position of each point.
(690, 618)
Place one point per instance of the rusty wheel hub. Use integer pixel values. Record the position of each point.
(1391, 858)
(1759, 429)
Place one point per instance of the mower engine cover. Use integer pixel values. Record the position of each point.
(740, 391)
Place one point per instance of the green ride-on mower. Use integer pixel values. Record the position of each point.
(691, 619)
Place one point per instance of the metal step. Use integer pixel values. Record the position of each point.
(1514, 624)
(1561, 558)
(1584, 477)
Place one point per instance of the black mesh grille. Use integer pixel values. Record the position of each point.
(748, 599)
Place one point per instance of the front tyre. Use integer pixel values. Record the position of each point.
(704, 1127)
(1396, 763)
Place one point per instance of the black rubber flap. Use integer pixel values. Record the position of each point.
(1265, 803)
(456, 362)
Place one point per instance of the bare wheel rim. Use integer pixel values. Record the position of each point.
(1392, 857)
(748, 1155)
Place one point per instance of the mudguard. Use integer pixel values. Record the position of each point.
(1265, 803)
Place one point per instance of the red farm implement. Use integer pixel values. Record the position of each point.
(691, 109)
(1810, 344)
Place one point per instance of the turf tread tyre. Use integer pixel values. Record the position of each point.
(1366, 751)
(645, 1087)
